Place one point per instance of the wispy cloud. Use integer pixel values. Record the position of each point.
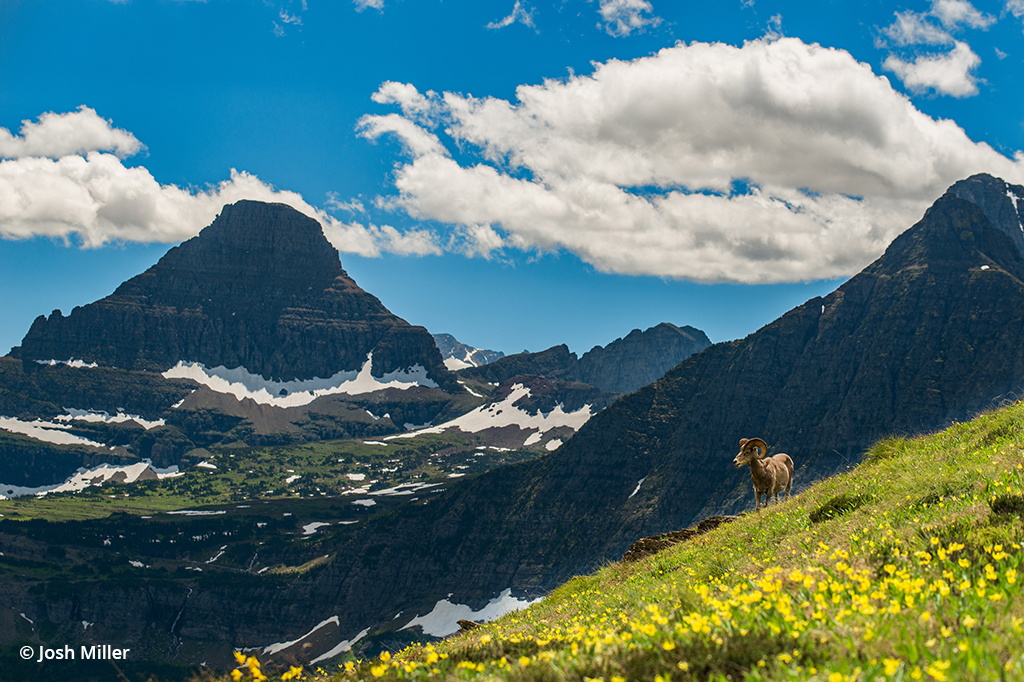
(956, 13)
(363, 4)
(642, 167)
(290, 18)
(63, 176)
(518, 14)
(622, 17)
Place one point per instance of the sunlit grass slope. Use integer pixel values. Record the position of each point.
(909, 567)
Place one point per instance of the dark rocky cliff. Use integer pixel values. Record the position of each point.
(623, 366)
(626, 364)
(260, 288)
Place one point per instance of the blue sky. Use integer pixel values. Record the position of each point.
(519, 174)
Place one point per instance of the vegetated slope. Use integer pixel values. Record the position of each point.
(623, 366)
(931, 332)
(907, 567)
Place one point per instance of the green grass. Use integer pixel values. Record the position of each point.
(908, 567)
(317, 470)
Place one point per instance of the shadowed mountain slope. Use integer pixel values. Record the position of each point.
(623, 366)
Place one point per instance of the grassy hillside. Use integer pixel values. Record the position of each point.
(909, 567)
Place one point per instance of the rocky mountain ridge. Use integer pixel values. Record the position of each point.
(623, 366)
(458, 355)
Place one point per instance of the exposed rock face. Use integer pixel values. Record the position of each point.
(260, 288)
(557, 362)
(998, 200)
(623, 366)
(626, 364)
(458, 355)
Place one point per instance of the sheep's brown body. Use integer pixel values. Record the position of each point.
(770, 476)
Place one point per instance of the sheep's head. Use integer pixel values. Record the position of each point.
(750, 449)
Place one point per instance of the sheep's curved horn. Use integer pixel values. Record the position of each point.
(760, 445)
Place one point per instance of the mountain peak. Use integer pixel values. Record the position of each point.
(253, 240)
(260, 288)
(998, 200)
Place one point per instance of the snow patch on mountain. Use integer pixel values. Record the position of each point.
(70, 362)
(104, 416)
(443, 618)
(242, 384)
(505, 413)
(272, 649)
(458, 355)
(1016, 206)
(47, 431)
(84, 478)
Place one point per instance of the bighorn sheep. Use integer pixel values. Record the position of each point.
(769, 476)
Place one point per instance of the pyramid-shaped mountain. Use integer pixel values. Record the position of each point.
(260, 288)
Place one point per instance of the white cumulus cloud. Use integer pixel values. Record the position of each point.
(947, 73)
(643, 167)
(58, 178)
(75, 132)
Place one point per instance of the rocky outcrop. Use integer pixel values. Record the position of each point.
(645, 547)
(260, 288)
(623, 366)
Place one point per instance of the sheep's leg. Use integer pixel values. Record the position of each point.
(757, 499)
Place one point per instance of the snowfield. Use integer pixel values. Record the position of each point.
(443, 619)
(506, 413)
(240, 383)
(83, 478)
